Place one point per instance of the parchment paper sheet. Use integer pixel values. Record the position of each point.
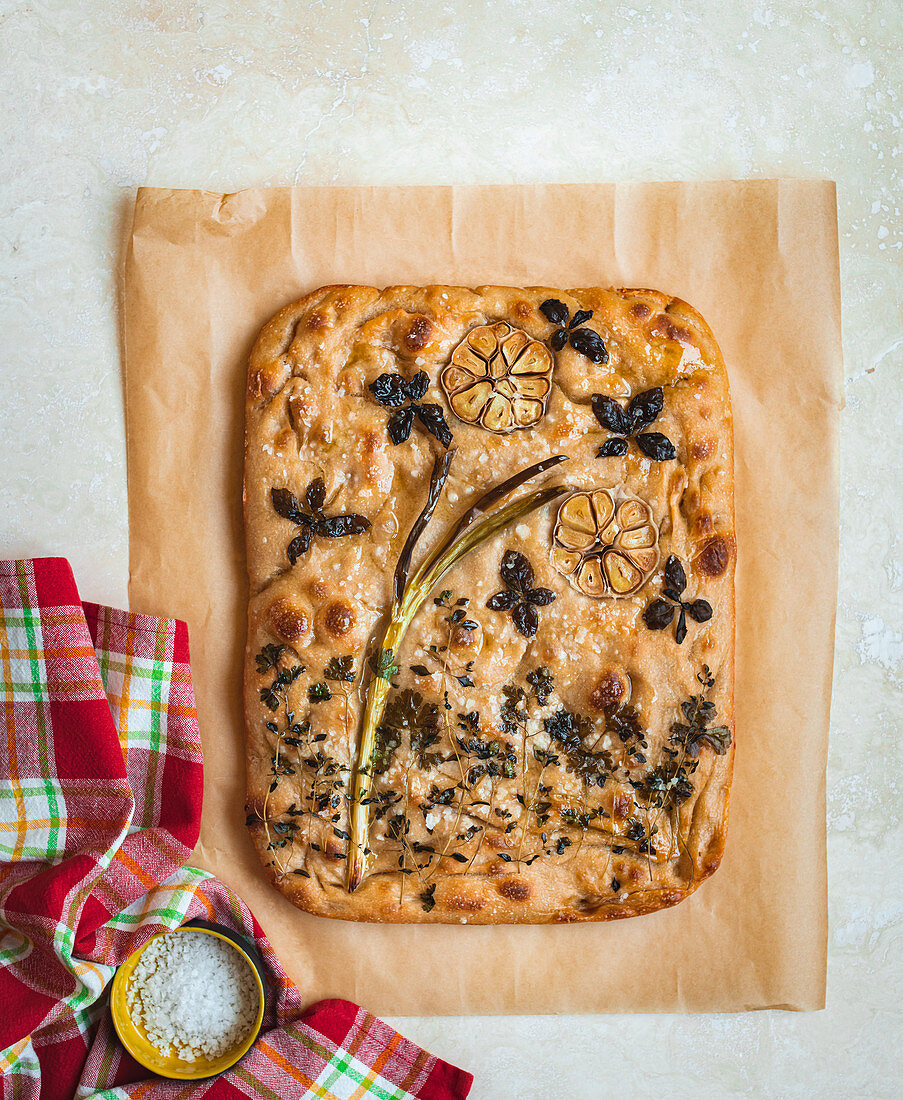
(759, 260)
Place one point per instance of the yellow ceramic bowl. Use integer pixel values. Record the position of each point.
(134, 1037)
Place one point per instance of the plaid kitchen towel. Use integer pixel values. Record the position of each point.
(100, 797)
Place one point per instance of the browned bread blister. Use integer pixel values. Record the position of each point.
(558, 747)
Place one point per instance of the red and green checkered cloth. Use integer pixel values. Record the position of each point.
(101, 778)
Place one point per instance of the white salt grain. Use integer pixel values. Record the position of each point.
(194, 994)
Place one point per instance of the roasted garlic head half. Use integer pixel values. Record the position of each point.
(500, 378)
(605, 543)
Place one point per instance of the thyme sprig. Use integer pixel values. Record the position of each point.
(568, 731)
(698, 712)
(274, 696)
(670, 782)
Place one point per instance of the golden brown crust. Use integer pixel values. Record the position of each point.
(310, 415)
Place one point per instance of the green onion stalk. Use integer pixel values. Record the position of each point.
(408, 596)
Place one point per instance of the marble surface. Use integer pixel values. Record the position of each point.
(100, 97)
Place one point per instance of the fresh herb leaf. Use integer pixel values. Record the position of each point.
(383, 664)
(540, 679)
(268, 657)
(340, 668)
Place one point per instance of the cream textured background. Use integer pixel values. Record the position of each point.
(98, 98)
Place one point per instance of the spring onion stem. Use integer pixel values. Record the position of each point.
(408, 596)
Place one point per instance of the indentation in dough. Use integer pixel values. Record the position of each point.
(714, 557)
(339, 619)
(612, 687)
(704, 524)
(497, 841)
(284, 439)
(261, 383)
(287, 620)
(664, 327)
(418, 335)
(462, 904)
(299, 412)
(377, 466)
(514, 890)
(711, 864)
(466, 643)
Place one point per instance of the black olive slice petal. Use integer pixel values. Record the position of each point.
(590, 344)
(656, 446)
(541, 597)
(286, 504)
(526, 619)
(300, 544)
(645, 407)
(516, 571)
(610, 414)
(316, 494)
(559, 339)
(613, 448)
(432, 418)
(700, 610)
(390, 390)
(503, 601)
(556, 312)
(337, 527)
(681, 632)
(658, 615)
(399, 425)
(675, 574)
(418, 385)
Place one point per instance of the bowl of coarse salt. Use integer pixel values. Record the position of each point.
(190, 1002)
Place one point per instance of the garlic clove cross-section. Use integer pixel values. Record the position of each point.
(605, 543)
(499, 378)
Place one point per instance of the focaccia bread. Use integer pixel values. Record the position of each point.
(551, 739)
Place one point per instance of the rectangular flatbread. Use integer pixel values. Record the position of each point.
(551, 738)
